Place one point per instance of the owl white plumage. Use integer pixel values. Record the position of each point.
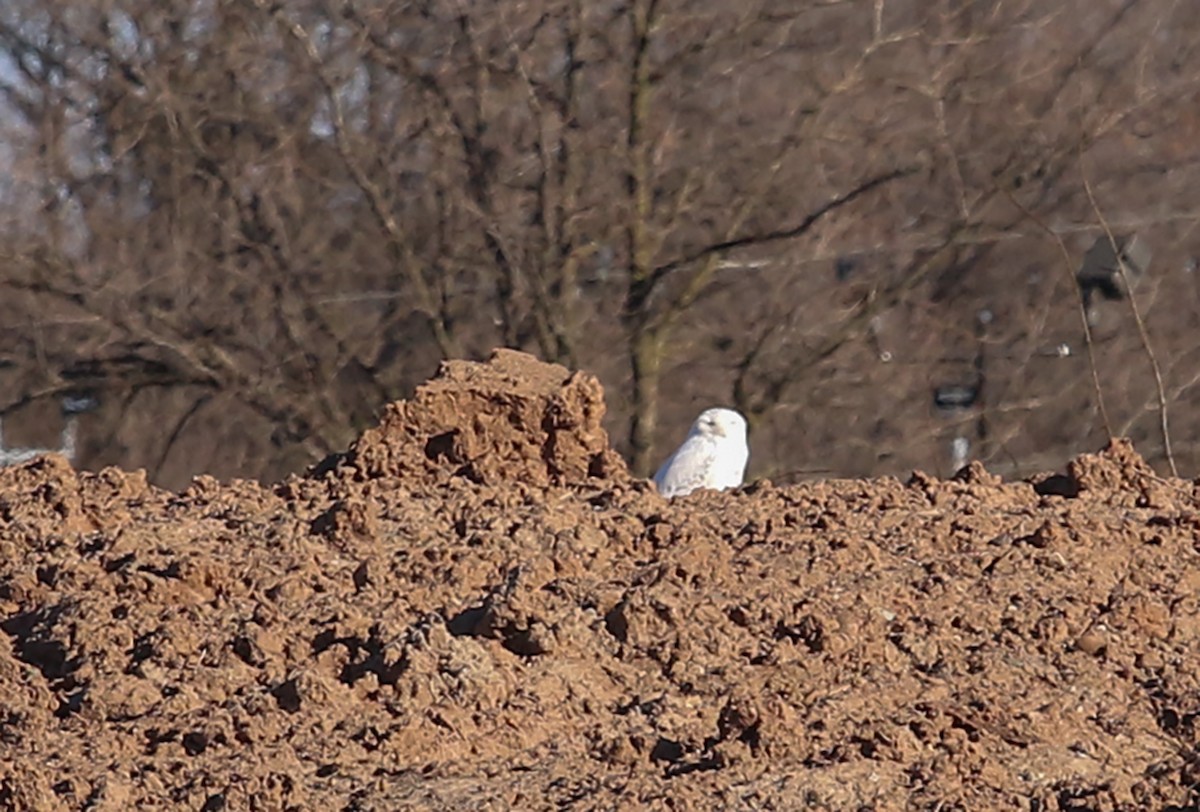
(714, 455)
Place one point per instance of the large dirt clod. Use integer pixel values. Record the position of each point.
(511, 419)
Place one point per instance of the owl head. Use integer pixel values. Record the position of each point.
(720, 423)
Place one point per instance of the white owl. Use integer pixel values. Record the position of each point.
(714, 455)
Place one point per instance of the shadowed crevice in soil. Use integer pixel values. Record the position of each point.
(476, 605)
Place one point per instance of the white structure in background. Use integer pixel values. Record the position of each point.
(960, 452)
(72, 407)
(953, 401)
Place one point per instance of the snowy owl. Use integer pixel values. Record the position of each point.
(713, 455)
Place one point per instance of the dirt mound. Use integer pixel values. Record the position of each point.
(476, 608)
(511, 419)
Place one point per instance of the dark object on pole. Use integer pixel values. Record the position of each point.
(844, 268)
(1101, 269)
(955, 397)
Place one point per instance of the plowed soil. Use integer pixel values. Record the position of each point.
(476, 607)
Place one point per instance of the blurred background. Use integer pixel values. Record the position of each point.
(896, 234)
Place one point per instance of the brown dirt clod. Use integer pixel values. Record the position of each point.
(511, 419)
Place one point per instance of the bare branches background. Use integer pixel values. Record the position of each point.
(246, 225)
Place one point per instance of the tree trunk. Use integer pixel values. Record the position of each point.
(646, 355)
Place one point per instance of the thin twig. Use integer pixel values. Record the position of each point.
(1160, 390)
(1083, 318)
